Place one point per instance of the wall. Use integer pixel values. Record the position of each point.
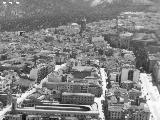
(34, 74)
(124, 74)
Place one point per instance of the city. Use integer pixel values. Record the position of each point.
(102, 70)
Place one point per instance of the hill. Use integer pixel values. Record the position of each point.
(36, 14)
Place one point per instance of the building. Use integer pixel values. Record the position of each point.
(95, 89)
(4, 98)
(125, 38)
(133, 94)
(33, 117)
(74, 87)
(114, 76)
(61, 110)
(83, 71)
(127, 84)
(152, 59)
(116, 112)
(13, 117)
(120, 92)
(77, 98)
(83, 25)
(139, 112)
(54, 77)
(71, 118)
(156, 72)
(61, 58)
(41, 71)
(129, 72)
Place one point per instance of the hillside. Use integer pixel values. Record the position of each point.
(36, 14)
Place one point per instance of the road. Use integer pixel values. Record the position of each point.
(27, 93)
(100, 99)
(152, 95)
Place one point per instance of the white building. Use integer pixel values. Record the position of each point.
(156, 71)
(130, 73)
(34, 74)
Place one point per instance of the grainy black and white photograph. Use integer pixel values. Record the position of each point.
(79, 59)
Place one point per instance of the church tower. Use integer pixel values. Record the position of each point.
(83, 25)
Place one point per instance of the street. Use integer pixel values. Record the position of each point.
(152, 95)
(102, 98)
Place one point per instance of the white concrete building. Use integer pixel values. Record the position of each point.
(156, 71)
(130, 73)
(34, 74)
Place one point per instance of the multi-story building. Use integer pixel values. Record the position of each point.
(156, 72)
(89, 80)
(33, 117)
(133, 94)
(13, 117)
(139, 112)
(129, 73)
(114, 76)
(120, 92)
(74, 87)
(61, 58)
(95, 89)
(116, 112)
(127, 84)
(77, 98)
(152, 59)
(41, 71)
(61, 110)
(83, 71)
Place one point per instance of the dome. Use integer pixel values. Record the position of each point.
(74, 24)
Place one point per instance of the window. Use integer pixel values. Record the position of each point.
(117, 78)
(130, 75)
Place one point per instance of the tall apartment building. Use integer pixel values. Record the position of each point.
(129, 72)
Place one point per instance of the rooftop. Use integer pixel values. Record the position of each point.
(115, 108)
(77, 94)
(83, 68)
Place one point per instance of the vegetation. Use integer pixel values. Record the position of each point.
(37, 14)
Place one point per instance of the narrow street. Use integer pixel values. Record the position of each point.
(100, 99)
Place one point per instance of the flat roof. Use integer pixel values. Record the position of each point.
(83, 68)
(115, 108)
(77, 94)
(67, 108)
(59, 108)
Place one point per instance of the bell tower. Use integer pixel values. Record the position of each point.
(83, 25)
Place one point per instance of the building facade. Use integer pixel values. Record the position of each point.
(74, 87)
(156, 72)
(13, 117)
(133, 94)
(127, 84)
(77, 98)
(116, 112)
(129, 73)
